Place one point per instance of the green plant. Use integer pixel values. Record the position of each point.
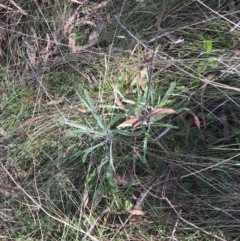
(102, 135)
(207, 46)
(103, 138)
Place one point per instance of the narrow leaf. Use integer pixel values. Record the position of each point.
(169, 91)
(81, 132)
(162, 133)
(89, 105)
(114, 120)
(91, 149)
(94, 111)
(73, 124)
(127, 133)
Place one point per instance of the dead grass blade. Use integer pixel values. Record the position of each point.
(135, 212)
(18, 7)
(191, 224)
(5, 7)
(85, 198)
(29, 122)
(75, 1)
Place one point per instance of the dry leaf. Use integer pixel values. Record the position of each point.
(72, 44)
(96, 32)
(31, 52)
(127, 123)
(158, 111)
(125, 179)
(67, 29)
(11, 192)
(3, 132)
(140, 76)
(134, 122)
(83, 111)
(135, 212)
(93, 37)
(28, 122)
(51, 48)
(196, 120)
(54, 102)
(117, 101)
(6, 191)
(133, 51)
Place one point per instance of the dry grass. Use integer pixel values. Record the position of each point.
(187, 182)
